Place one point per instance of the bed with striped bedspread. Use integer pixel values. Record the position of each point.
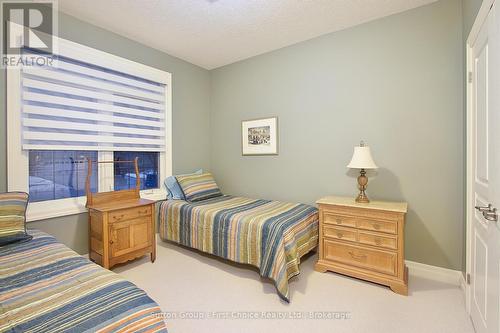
(46, 287)
(269, 235)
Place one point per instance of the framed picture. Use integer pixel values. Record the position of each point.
(259, 136)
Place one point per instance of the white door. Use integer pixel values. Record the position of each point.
(484, 228)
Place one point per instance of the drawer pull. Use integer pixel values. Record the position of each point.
(340, 235)
(143, 211)
(378, 241)
(356, 256)
(118, 217)
(376, 226)
(339, 221)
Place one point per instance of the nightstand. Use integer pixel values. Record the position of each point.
(363, 240)
(121, 223)
(121, 230)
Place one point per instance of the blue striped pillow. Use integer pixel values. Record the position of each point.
(13, 217)
(198, 187)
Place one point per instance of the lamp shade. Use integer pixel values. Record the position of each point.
(362, 159)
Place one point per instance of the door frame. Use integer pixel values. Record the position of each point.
(469, 211)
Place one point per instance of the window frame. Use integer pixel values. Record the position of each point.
(17, 158)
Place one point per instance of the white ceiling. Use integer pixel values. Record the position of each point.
(214, 33)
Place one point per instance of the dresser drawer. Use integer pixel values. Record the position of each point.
(345, 221)
(340, 233)
(129, 214)
(377, 225)
(370, 259)
(389, 242)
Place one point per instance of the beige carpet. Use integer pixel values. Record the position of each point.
(200, 293)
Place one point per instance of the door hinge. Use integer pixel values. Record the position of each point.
(470, 77)
(467, 278)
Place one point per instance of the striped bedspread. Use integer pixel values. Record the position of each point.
(270, 235)
(46, 287)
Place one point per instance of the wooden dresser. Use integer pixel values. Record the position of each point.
(121, 230)
(121, 224)
(363, 240)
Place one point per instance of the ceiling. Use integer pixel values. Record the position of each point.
(214, 33)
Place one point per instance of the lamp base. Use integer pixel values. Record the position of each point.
(362, 198)
(362, 182)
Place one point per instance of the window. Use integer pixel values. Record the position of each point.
(91, 105)
(125, 174)
(59, 174)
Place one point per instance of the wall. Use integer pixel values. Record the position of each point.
(190, 114)
(470, 8)
(396, 82)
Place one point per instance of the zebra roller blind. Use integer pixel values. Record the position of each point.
(83, 106)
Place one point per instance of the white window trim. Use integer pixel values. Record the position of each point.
(17, 159)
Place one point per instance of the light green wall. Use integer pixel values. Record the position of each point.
(396, 82)
(470, 8)
(191, 99)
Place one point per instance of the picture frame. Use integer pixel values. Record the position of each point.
(259, 136)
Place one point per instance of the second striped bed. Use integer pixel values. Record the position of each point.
(270, 235)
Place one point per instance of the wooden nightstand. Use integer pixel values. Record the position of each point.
(121, 224)
(363, 240)
(121, 230)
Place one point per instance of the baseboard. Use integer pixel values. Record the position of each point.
(462, 282)
(436, 273)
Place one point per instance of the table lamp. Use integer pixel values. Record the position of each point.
(362, 159)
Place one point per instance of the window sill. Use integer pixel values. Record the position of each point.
(72, 206)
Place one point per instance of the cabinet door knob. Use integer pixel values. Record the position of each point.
(113, 237)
